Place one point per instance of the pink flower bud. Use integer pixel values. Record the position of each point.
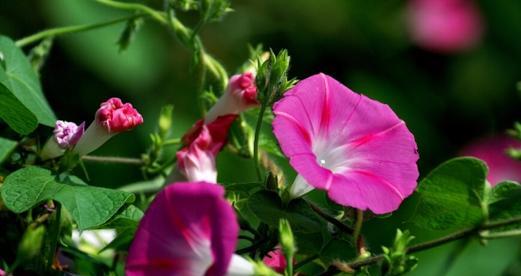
(196, 161)
(240, 95)
(67, 134)
(112, 117)
(115, 116)
(276, 260)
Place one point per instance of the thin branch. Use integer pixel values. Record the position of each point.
(256, 140)
(332, 270)
(331, 219)
(70, 29)
(113, 159)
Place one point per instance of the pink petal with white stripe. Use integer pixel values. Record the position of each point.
(355, 148)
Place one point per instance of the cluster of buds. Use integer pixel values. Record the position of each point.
(202, 143)
(112, 117)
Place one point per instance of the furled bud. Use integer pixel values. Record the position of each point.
(116, 116)
(112, 117)
(65, 136)
(276, 260)
(240, 95)
(202, 143)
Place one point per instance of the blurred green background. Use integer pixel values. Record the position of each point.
(447, 100)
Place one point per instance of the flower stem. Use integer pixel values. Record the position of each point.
(332, 270)
(256, 141)
(156, 15)
(344, 228)
(358, 225)
(113, 159)
(306, 261)
(70, 29)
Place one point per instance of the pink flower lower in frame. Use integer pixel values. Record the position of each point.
(190, 230)
(444, 25)
(112, 117)
(240, 95)
(492, 150)
(196, 160)
(342, 142)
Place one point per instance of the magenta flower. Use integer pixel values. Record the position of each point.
(240, 95)
(493, 151)
(2, 273)
(190, 230)
(342, 142)
(66, 135)
(112, 117)
(196, 160)
(276, 260)
(444, 25)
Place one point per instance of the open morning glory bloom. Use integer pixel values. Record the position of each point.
(240, 95)
(196, 160)
(353, 147)
(189, 229)
(444, 25)
(65, 136)
(493, 151)
(112, 117)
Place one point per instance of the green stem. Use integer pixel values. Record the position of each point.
(358, 225)
(256, 140)
(504, 234)
(174, 141)
(156, 15)
(332, 270)
(344, 228)
(69, 29)
(306, 261)
(113, 159)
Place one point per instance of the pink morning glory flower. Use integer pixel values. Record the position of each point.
(65, 136)
(202, 143)
(276, 260)
(2, 273)
(493, 151)
(190, 230)
(353, 147)
(112, 117)
(240, 95)
(445, 25)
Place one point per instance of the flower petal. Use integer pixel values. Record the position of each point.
(183, 233)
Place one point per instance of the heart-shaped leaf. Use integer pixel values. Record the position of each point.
(89, 206)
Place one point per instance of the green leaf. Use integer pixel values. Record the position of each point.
(127, 218)
(505, 203)
(268, 207)
(337, 250)
(6, 146)
(21, 80)
(89, 206)
(14, 113)
(504, 191)
(450, 196)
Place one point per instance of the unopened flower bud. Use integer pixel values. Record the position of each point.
(196, 160)
(112, 117)
(65, 136)
(240, 95)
